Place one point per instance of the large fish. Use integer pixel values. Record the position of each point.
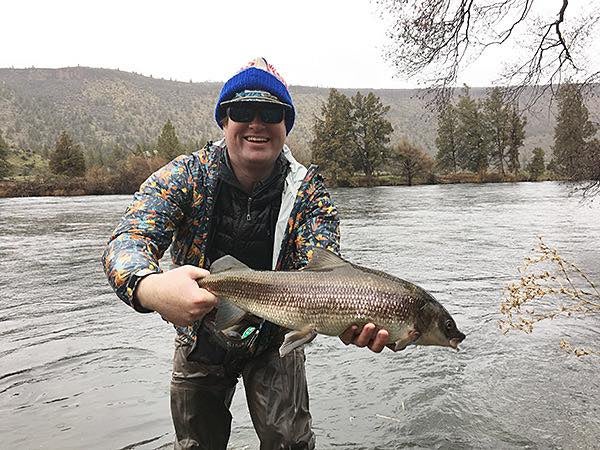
(327, 296)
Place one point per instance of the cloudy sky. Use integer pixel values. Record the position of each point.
(326, 43)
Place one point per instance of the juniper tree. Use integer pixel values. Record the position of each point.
(447, 139)
(67, 157)
(572, 132)
(472, 139)
(4, 164)
(351, 135)
(371, 132)
(591, 168)
(516, 137)
(495, 120)
(332, 147)
(536, 166)
(168, 145)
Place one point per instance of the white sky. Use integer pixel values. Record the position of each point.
(326, 43)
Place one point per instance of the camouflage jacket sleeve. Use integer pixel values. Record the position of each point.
(314, 222)
(147, 228)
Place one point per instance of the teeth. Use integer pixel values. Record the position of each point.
(256, 139)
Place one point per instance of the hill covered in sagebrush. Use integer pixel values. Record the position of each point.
(103, 109)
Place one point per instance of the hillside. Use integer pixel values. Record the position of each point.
(104, 108)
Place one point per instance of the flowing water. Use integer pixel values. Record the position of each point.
(79, 369)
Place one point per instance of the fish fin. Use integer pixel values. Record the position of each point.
(295, 339)
(227, 314)
(226, 263)
(402, 343)
(324, 261)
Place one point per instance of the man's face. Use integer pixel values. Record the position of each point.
(254, 146)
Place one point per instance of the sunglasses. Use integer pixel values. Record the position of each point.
(247, 113)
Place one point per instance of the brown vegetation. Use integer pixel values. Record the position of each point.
(549, 287)
(124, 179)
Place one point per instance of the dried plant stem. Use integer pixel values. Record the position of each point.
(566, 346)
(549, 286)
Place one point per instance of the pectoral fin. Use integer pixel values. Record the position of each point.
(227, 315)
(295, 339)
(403, 342)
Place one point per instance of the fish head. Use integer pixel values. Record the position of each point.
(438, 327)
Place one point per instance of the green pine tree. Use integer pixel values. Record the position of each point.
(371, 133)
(495, 119)
(4, 164)
(446, 140)
(572, 132)
(168, 145)
(536, 166)
(472, 138)
(591, 167)
(332, 147)
(67, 157)
(516, 137)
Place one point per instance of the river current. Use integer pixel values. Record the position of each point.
(79, 369)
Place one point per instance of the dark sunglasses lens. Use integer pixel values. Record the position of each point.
(241, 113)
(246, 113)
(272, 114)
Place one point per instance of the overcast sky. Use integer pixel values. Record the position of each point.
(326, 43)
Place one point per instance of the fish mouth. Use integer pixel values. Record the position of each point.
(454, 343)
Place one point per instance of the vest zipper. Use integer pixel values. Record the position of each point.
(248, 217)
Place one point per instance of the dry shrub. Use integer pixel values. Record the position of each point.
(98, 180)
(459, 177)
(125, 179)
(549, 287)
(135, 171)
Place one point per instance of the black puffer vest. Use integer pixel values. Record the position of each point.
(243, 225)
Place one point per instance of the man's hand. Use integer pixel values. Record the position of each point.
(369, 336)
(175, 295)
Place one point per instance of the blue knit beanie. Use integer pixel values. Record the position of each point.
(257, 76)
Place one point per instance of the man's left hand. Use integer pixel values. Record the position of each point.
(369, 336)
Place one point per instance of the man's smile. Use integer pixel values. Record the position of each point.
(256, 139)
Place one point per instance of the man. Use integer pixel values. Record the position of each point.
(248, 197)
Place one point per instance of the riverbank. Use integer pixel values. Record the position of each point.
(93, 185)
(49, 188)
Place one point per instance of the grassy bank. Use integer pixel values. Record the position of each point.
(103, 183)
(454, 178)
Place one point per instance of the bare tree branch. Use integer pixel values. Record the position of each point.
(432, 41)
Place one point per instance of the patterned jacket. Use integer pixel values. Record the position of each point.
(174, 206)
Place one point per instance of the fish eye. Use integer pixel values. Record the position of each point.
(449, 324)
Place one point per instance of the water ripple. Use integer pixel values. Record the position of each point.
(72, 356)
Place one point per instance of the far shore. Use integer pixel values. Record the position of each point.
(65, 187)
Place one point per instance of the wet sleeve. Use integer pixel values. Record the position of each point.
(146, 230)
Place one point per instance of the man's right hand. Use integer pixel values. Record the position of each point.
(175, 295)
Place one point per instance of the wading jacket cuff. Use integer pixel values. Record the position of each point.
(134, 280)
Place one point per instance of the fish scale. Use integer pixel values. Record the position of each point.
(331, 294)
(283, 298)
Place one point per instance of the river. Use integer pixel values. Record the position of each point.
(79, 369)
